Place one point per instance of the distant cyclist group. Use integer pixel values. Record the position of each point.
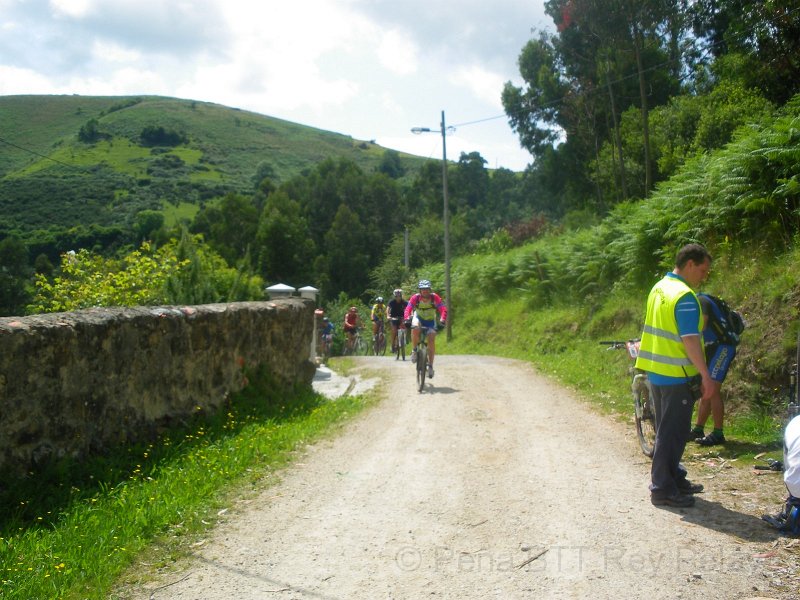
(417, 313)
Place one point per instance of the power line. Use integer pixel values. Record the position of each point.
(29, 151)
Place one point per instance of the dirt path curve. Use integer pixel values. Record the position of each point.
(495, 483)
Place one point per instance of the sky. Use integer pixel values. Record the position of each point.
(370, 69)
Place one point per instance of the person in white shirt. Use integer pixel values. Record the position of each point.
(791, 458)
(788, 521)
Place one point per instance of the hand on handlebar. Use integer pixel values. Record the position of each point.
(441, 326)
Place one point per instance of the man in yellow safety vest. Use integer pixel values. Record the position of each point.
(672, 355)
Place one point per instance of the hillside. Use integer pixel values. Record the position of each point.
(50, 178)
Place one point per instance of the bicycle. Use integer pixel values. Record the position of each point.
(358, 347)
(399, 348)
(379, 341)
(422, 358)
(643, 409)
(325, 344)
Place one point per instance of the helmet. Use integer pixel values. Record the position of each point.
(353, 309)
(379, 299)
(398, 292)
(424, 284)
(325, 319)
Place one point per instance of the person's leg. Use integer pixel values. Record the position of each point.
(673, 405)
(717, 409)
(703, 411)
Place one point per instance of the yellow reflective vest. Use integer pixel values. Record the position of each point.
(661, 350)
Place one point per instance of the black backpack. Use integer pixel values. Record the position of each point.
(726, 323)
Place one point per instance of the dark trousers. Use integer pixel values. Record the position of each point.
(673, 405)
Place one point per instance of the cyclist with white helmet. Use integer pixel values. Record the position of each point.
(396, 310)
(421, 312)
(378, 316)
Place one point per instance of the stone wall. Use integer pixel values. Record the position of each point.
(81, 382)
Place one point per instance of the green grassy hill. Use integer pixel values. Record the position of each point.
(50, 178)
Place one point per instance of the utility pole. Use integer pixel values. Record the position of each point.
(448, 297)
(446, 219)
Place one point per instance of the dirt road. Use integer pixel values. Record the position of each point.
(495, 483)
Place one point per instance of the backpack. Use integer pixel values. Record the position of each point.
(726, 323)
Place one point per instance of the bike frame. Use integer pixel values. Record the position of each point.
(644, 411)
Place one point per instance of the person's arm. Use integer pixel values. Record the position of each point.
(687, 315)
(409, 309)
(442, 308)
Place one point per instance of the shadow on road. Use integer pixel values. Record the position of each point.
(713, 515)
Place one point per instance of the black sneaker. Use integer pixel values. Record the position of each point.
(712, 439)
(687, 487)
(677, 501)
(697, 434)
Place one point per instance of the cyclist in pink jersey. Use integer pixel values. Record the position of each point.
(421, 312)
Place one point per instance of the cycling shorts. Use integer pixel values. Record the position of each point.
(428, 324)
(719, 358)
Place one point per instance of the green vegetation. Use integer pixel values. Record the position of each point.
(72, 529)
(551, 300)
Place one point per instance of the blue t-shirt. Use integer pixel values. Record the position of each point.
(687, 315)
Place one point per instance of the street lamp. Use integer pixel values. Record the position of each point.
(443, 131)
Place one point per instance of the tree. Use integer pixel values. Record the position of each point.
(347, 255)
(229, 227)
(146, 223)
(14, 276)
(284, 245)
(391, 165)
(765, 34)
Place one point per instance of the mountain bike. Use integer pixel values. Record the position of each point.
(379, 341)
(358, 347)
(325, 344)
(399, 347)
(422, 357)
(643, 409)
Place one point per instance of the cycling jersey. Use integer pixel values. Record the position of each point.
(378, 312)
(350, 321)
(397, 308)
(426, 309)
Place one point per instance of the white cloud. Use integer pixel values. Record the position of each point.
(71, 8)
(15, 81)
(114, 53)
(398, 53)
(482, 83)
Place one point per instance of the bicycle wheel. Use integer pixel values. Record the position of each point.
(380, 344)
(401, 343)
(422, 366)
(360, 347)
(645, 414)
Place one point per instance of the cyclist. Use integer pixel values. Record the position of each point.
(395, 311)
(378, 316)
(351, 323)
(326, 335)
(421, 312)
(719, 356)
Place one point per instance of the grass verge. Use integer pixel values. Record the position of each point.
(71, 529)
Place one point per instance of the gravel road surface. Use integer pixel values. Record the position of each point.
(493, 483)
